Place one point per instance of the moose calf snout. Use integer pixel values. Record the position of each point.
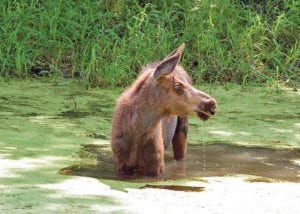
(211, 105)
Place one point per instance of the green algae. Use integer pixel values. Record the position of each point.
(52, 129)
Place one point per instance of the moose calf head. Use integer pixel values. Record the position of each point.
(181, 98)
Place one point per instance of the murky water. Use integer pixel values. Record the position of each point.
(220, 160)
(224, 159)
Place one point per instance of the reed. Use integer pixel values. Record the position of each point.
(108, 41)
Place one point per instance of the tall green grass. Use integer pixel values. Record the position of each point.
(108, 41)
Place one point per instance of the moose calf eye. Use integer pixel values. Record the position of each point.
(178, 88)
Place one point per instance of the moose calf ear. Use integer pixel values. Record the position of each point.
(177, 50)
(167, 66)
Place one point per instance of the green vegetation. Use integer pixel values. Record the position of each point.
(108, 41)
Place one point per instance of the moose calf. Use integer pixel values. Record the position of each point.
(152, 113)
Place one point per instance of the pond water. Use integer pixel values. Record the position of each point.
(221, 160)
(53, 130)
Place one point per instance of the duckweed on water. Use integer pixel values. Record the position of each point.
(43, 132)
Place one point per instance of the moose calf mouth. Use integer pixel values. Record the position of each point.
(203, 116)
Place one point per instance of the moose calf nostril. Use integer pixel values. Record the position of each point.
(212, 107)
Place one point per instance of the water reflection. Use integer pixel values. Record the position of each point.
(221, 160)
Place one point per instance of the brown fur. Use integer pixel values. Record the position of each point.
(162, 92)
(179, 140)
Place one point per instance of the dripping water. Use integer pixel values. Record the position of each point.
(203, 148)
